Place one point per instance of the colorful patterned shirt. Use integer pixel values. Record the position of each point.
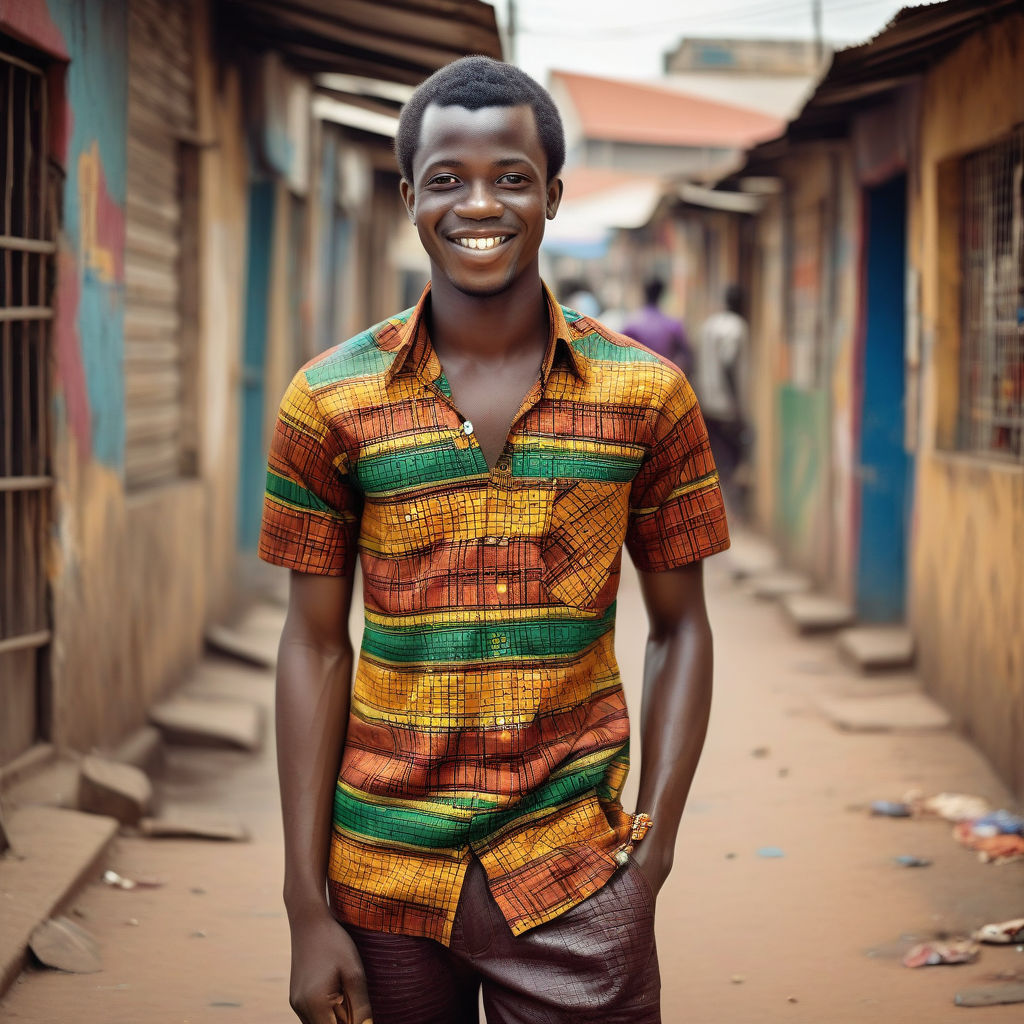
(487, 715)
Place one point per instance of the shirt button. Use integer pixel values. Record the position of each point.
(502, 588)
(503, 465)
(467, 427)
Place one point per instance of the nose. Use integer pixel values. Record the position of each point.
(479, 202)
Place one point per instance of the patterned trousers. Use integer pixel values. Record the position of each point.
(595, 963)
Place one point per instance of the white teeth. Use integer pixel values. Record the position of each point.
(481, 243)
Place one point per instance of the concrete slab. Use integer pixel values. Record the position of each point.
(193, 721)
(772, 585)
(906, 711)
(57, 851)
(877, 648)
(193, 826)
(815, 613)
(750, 555)
(237, 644)
(119, 791)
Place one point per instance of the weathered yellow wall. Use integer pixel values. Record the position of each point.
(967, 589)
(223, 213)
(129, 600)
(136, 577)
(767, 357)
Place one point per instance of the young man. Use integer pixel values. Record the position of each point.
(487, 453)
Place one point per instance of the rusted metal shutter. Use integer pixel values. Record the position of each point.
(161, 114)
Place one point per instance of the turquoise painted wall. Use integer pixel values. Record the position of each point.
(88, 108)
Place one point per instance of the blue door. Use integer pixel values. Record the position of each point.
(253, 454)
(885, 466)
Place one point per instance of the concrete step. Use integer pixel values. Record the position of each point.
(750, 555)
(816, 613)
(254, 638)
(54, 852)
(877, 648)
(198, 722)
(869, 711)
(776, 583)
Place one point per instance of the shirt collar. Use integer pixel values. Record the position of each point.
(410, 342)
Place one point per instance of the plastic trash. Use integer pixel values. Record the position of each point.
(1002, 933)
(930, 954)
(891, 809)
(999, 823)
(909, 860)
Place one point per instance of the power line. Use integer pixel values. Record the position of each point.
(756, 11)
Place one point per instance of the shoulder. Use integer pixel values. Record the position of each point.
(367, 354)
(613, 351)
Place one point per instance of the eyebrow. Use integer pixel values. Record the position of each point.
(505, 161)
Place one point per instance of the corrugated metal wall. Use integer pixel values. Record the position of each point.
(161, 125)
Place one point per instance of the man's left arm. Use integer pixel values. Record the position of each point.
(675, 707)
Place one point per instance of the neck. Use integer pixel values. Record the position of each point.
(489, 326)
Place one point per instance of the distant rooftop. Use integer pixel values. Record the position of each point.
(619, 111)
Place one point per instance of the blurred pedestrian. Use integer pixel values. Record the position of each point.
(652, 327)
(581, 297)
(721, 373)
(451, 807)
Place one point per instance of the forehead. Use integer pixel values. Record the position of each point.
(455, 133)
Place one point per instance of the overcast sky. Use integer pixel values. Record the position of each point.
(626, 38)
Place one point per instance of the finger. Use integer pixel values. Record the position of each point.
(358, 1001)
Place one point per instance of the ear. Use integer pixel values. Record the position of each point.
(554, 197)
(409, 198)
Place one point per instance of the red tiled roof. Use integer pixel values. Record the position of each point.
(581, 181)
(621, 111)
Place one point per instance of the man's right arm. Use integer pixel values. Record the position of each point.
(314, 674)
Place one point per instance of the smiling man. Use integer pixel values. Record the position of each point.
(452, 815)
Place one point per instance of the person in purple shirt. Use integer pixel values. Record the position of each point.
(659, 331)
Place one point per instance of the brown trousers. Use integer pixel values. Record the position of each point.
(595, 963)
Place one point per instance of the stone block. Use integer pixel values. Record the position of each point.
(876, 648)
(209, 723)
(815, 613)
(119, 791)
(770, 586)
(57, 851)
(908, 711)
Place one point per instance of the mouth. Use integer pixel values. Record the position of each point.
(484, 242)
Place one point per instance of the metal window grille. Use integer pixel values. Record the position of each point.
(992, 350)
(26, 256)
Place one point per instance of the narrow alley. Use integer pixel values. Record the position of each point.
(814, 932)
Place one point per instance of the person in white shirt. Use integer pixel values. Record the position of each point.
(721, 364)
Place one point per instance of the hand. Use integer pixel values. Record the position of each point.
(328, 984)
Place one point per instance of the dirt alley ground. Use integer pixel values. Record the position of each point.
(812, 936)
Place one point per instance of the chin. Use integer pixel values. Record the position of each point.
(483, 288)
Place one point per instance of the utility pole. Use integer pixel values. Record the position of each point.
(510, 32)
(819, 43)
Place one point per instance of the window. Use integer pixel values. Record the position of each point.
(992, 301)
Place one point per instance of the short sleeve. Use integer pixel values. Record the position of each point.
(676, 512)
(310, 510)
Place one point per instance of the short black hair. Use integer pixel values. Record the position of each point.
(654, 288)
(734, 298)
(473, 83)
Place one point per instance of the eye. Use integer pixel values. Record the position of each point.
(443, 179)
(513, 178)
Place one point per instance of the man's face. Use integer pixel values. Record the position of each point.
(480, 195)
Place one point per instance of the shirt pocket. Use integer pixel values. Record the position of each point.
(583, 544)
